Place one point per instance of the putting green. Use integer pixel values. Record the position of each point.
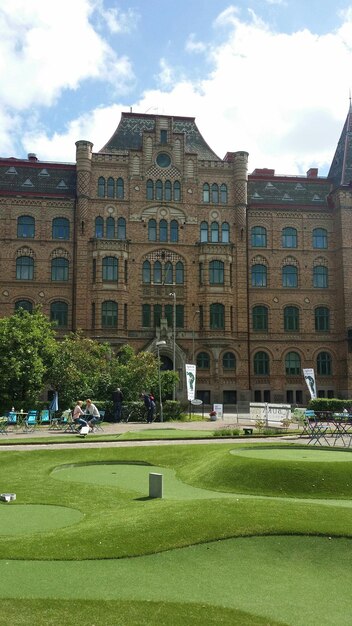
(295, 454)
(21, 519)
(301, 581)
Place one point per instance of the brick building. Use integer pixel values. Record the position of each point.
(155, 237)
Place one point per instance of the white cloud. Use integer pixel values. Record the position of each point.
(117, 21)
(194, 46)
(47, 47)
(272, 94)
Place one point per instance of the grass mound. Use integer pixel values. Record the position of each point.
(271, 471)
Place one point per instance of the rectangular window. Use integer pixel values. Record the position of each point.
(146, 315)
(229, 396)
(179, 315)
(157, 314)
(125, 315)
(257, 395)
(266, 395)
(163, 136)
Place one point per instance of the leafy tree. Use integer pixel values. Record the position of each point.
(27, 347)
(135, 373)
(81, 369)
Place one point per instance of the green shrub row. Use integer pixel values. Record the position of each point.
(330, 404)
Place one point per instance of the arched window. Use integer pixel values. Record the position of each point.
(169, 273)
(157, 273)
(292, 364)
(260, 318)
(215, 193)
(24, 268)
(99, 227)
(150, 190)
(289, 237)
(259, 275)
(320, 276)
(223, 194)
(121, 228)
(290, 276)
(320, 238)
(110, 269)
(146, 315)
(120, 189)
(174, 230)
(26, 227)
(59, 313)
(110, 228)
(163, 230)
(217, 316)
(159, 190)
(206, 193)
(177, 191)
(229, 361)
(61, 228)
(204, 232)
(109, 314)
(291, 319)
(324, 365)
(322, 318)
(168, 190)
(214, 232)
(225, 232)
(26, 305)
(59, 269)
(216, 272)
(203, 360)
(111, 187)
(152, 230)
(258, 237)
(261, 364)
(179, 273)
(146, 273)
(101, 187)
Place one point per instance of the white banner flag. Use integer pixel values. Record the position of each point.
(191, 381)
(309, 377)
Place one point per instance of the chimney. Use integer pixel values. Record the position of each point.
(312, 172)
(32, 156)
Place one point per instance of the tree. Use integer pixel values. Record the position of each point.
(27, 347)
(81, 369)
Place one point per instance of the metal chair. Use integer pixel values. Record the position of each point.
(30, 421)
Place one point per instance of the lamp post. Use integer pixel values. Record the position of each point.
(173, 295)
(194, 317)
(158, 346)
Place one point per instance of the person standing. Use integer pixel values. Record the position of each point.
(93, 414)
(117, 398)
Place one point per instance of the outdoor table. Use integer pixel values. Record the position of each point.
(342, 428)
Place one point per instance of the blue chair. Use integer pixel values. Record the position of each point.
(44, 417)
(12, 419)
(31, 421)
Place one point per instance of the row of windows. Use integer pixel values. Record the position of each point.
(110, 229)
(152, 314)
(163, 273)
(260, 318)
(167, 191)
(289, 276)
(214, 193)
(60, 228)
(289, 237)
(110, 188)
(216, 233)
(162, 231)
(261, 363)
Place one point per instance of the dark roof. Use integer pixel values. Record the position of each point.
(128, 135)
(33, 177)
(288, 191)
(341, 166)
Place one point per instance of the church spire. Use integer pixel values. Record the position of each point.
(341, 166)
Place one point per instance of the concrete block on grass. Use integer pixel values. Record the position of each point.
(155, 485)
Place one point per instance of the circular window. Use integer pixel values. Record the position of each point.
(163, 159)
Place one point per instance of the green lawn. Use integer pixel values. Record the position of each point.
(241, 536)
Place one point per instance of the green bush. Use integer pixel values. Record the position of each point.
(226, 432)
(172, 410)
(329, 404)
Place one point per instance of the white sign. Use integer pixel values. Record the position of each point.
(191, 381)
(270, 412)
(219, 410)
(309, 377)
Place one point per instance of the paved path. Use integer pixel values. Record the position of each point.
(118, 429)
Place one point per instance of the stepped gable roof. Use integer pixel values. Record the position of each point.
(287, 191)
(129, 133)
(37, 178)
(341, 167)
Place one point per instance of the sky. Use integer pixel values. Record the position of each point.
(272, 77)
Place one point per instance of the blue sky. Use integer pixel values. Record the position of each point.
(268, 76)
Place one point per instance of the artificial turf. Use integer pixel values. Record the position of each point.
(262, 576)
